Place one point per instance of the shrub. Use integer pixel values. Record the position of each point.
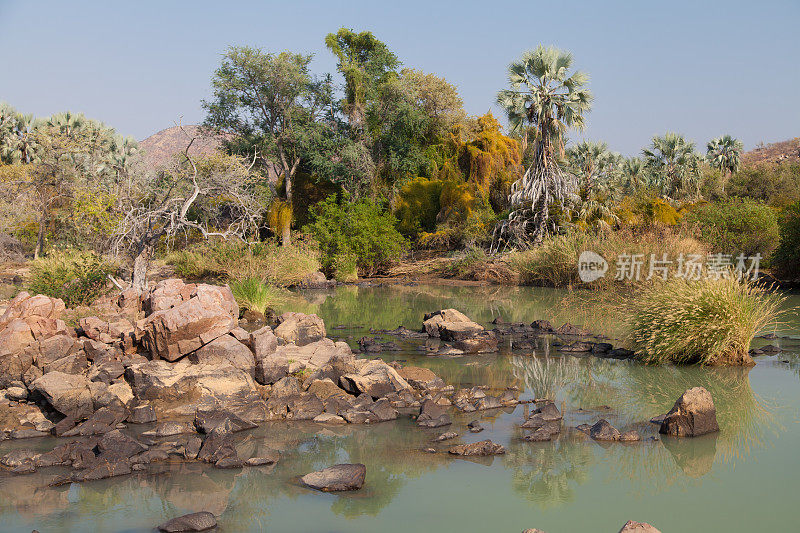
(76, 277)
(735, 226)
(358, 229)
(255, 295)
(711, 321)
(418, 206)
(282, 266)
(555, 261)
(787, 256)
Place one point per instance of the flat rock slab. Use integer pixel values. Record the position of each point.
(482, 448)
(638, 527)
(201, 521)
(337, 478)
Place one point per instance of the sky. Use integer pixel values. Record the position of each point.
(701, 68)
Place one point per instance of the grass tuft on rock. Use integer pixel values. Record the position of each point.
(255, 295)
(707, 322)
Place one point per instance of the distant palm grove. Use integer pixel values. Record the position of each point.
(357, 178)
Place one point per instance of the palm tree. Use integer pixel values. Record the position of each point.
(547, 98)
(674, 161)
(724, 153)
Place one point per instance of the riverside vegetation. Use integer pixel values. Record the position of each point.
(390, 178)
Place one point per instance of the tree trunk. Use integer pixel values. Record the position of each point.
(286, 238)
(140, 264)
(40, 237)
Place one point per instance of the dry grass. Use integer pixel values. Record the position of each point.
(711, 321)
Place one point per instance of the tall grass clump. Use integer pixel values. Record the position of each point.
(281, 266)
(554, 262)
(707, 322)
(255, 295)
(77, 277)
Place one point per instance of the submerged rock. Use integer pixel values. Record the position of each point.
(638, 527)
(337, 478)
(482, 448)
(692, 415)
(201, 521)
(433, 415)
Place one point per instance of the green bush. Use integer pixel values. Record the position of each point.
(735, 226)
(776, 185)
(255, 295)
(787, 256)
(711, 321)
(282, 266)
(78, 278)
(357, 229)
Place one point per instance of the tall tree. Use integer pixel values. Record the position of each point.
(548, 98)
(265, 102)
(365, 62)
(674, 161)
(725, 153)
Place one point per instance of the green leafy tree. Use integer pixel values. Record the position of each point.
(366, 63)
(725, 153)
(267, 103)
(787, 255)
(674, 161)
(547, 99)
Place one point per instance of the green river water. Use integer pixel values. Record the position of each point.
(744, 479)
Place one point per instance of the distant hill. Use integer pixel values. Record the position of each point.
(160, 148)
(773, 153)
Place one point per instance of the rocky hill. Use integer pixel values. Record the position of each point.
(779, 152)
(160, 148)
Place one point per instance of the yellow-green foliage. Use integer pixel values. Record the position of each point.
(647, 210)
(279, 216)
(77, 277)
(282, 266)
(711, 321)
(418, 205)
(555, 261)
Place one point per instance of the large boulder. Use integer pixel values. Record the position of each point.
(263, 342)
(337, 478)
(26, 306)
(275, 365)
(450, 325)
(69, 394)
(692, 415)
(375, 378)
(182, 388)
(206, 315)
(299, 328)
(225, 350)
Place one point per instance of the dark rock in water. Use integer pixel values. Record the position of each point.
(768, 336)
(304, 407)
(217, 445)
(618, 353)
(542, 326)
(569, 329)
(488, 402)
(119, 443)
(630, 436)
(142, 414)
(201, 521)
(754, 351)
(456, 331)
(602, 430)
(692, 415)
(602, 347)
(540, 435)
(483, 342)
(584, 428)
(446, 436)
(229, 461)
(105, 465)
(537, 421)
(17, 458)
(168, 429)
(432, 415)
(337, 478)
(373, 345)
(638, 527)
(475, 426)
(577, 347)
(549, 411)
(770, 348)
(383, 410)
(482, 448)
(658, 419)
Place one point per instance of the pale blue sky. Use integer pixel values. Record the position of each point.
(701, 68)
